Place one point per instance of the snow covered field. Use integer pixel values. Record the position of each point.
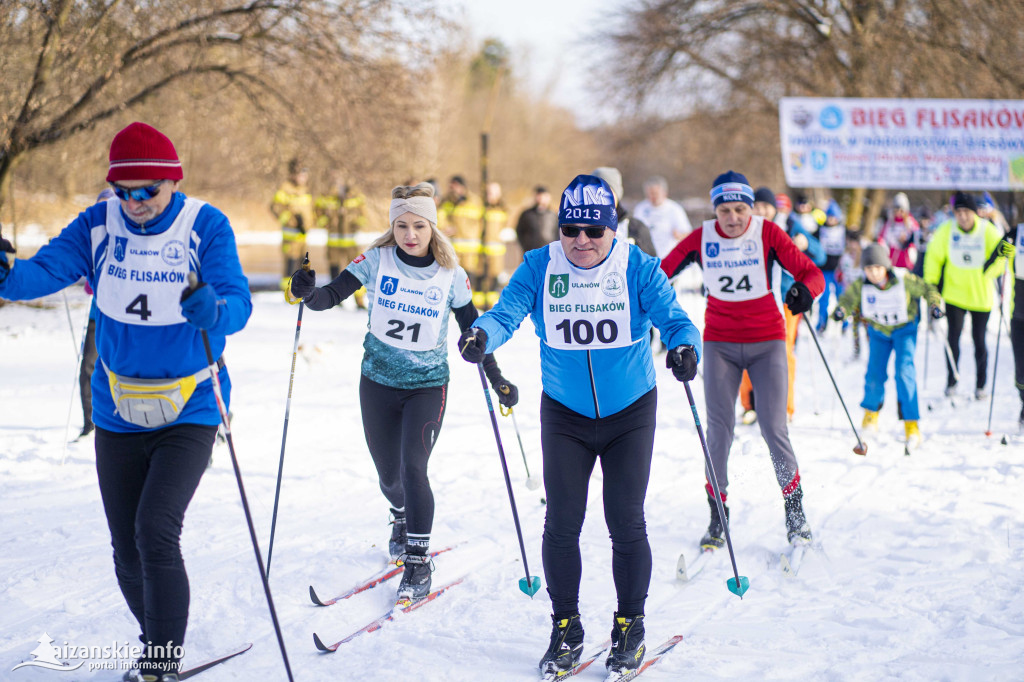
(920, 580)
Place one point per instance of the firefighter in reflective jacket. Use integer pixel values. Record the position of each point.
(485, 293)
(293, 208)
(462, 213)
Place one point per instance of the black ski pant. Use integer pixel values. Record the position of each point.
(401, 427)
(979, 321)
(147, 480)
(571, 444)
(85, 373)
(1017, 340)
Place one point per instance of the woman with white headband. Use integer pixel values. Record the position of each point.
(413, 279)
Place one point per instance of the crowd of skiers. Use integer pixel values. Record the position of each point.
(169, 288)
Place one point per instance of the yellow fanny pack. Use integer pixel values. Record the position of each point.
(153, 403)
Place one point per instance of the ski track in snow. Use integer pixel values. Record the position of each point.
(919, 579)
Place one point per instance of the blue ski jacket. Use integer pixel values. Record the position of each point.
(146, 352)
(595, 383)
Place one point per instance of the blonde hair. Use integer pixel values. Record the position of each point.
(440, 246)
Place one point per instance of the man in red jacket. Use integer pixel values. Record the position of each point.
(744, 330)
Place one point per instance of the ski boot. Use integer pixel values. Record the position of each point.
(715, 537)
(950, 390)
(797, 528)
(416, 579)
(870, 420)
(396, 545)
(912, 432)
(628, 648)
(566, 647)
(980, 394)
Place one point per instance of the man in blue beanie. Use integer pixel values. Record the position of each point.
(592, 298)
(744, 330)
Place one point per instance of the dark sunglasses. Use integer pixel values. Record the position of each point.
(573, 231)
(137, 193)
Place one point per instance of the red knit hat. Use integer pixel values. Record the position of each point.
(141, 152)
(783, 203)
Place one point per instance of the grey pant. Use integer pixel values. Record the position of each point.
(765, 361)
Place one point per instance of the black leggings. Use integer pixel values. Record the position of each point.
(1017, 339)
(146, 481)
(571, 444)
(979, 321)
(401, 427)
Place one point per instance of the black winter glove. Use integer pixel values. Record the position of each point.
(798, 298)
(6, 246)
(303, 283)
(473, 345)
(5, 267)
(682, 360)
(937, 313)
(838, 314)
(508, 394)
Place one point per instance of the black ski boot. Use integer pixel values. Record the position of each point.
(396, 545)
(797, 528)
(566, 647)
(416, 579)
(628, 647)
(715, 537)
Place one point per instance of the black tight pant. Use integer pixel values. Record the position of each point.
(979, 321)
(572, 443)
(401, 427)
(146, 481)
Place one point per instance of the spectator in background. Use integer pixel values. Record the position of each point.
(537, 225)
(293, 207)
(832, 236)
(630, 229)
(803, 210)
(900, 234)
(784, 209)
(987, 210)
(666, 220)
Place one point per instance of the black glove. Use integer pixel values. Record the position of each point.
(508, 394)
(5, 267)
(798, 298)
(6, 246)
(682, 360)
(937, 313)
(473, 345)
(303, 283)
(838, 314)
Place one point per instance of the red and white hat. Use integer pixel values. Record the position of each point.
(141, 152)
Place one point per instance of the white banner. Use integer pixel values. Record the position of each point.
(969, 144)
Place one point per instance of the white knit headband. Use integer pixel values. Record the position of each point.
(421, 206)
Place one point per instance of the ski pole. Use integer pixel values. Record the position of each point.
(531, 482)
(995, 364)
(71, 325)
(861, 448)
(193, 282)
(949, 358)
(738, 584)
(74, 384)
(531, 583)
(284, 434)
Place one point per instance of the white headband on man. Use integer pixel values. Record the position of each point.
(424, 207)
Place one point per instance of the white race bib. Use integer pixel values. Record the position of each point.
(734, 268)
(885, 306)
(833, 239)
(140, 277)
(587, 309)
(407, 313)
(967, 249)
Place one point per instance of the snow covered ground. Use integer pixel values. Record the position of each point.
(920, 579)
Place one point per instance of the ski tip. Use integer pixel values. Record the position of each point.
(681, 569)
(1004, 441)
(314, 597)
(321, 646)
(738, 586)
(530, 588)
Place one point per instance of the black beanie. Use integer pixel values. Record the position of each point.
(964, 200)
(764, 194)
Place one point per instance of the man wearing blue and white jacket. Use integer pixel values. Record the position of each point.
(153, 405)
(592, 299)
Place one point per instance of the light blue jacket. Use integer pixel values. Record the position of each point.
(170, 351)
(601, 382)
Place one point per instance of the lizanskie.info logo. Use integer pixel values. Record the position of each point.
(66, 657)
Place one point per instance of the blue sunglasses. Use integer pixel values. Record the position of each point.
(137, 193)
